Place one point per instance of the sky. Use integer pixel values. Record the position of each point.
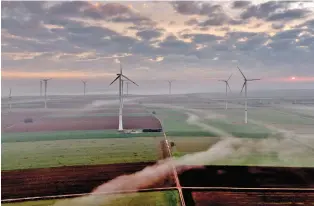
(193, 43)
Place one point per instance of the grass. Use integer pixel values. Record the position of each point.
(63, 135)
(174, 122)
(43, 154)
(164, 198)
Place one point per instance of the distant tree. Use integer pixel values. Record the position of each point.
(154, 112)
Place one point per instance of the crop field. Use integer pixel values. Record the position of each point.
(42, 154)
(132, 199)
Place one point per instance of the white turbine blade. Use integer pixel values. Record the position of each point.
(241, 73)
(10, 92)
(115, 79)
(129, 79)
(120, 68)
(243, 87)
(229, 77)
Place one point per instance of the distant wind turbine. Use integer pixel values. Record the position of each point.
(120, 76)
(227, 86)
(41, 88)
(170, 82)
(46, 84)
(10, 98)
(84, 82)
(245, 85)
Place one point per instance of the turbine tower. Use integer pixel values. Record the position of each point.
(41, 87)
(170, 82)
(227, 86)
(10, 98)
(46, 84)
(245, 85)
(127, 88)
(120, 76)
(84, 82)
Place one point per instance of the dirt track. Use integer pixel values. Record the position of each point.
(62, 180)
(85, 123)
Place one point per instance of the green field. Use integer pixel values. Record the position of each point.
(251, 152)
(41, 154)
(169, 198)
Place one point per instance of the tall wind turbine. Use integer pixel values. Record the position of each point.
(170, 82)
(10, 98)
(120, 76)
(227, 86)
(245, 85)
(84, 82)
(46, 84)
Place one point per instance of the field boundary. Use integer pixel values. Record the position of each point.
(176, 178)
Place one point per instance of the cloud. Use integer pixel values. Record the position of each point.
(262, 11)
(240, 4)
(202, 38)
(195, 8)
(289, 15)
(149, 34)
(277, 26)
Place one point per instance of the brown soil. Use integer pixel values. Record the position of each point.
(62, 180)
(269, 198)
(85, 123)
(248, 177)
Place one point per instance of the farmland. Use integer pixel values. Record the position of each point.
(83, 140)
(42, 154)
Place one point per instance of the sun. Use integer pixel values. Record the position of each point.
(293, 78)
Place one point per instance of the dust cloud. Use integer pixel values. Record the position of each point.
(152, 175)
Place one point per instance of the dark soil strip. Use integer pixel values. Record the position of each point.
(252, 198)
(248, 177)
(85, 123)
(63, 180)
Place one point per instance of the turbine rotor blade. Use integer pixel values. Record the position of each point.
(129, 80)
(253, 79)
(243, 86)
(241, 73)
(115, 80)
(229, 77)
(228, 86)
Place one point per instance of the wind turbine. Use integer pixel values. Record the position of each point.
(46, 81)
(120, 76)
(10, 98)
(170, 82)
(84, 82)
(227, 86)
(245, 85)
